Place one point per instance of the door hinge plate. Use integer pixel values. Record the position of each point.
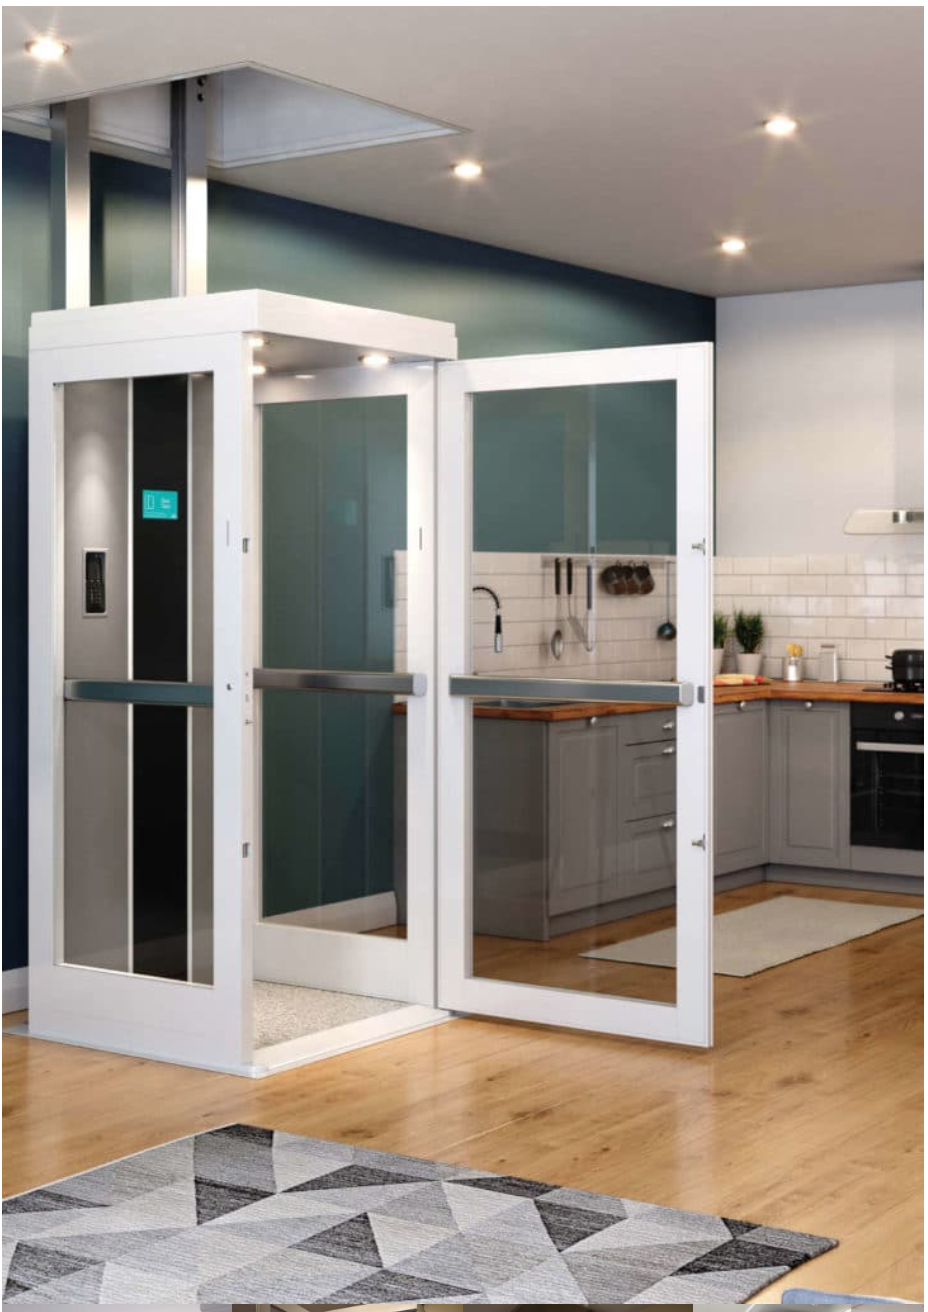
(246, 849)
(700, 842)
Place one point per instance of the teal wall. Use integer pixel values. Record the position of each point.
(502, 302)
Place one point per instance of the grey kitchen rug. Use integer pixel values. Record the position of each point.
(247, 1215)
(765, 934)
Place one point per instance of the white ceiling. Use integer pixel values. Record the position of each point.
(620, 138)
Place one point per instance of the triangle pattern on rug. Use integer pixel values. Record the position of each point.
(399, 1239)
(569, 1225)
(352, 1241)
(393, 1287)
(215, 1200)
(354, 1177)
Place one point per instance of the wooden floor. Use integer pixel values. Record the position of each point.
(807, 1114)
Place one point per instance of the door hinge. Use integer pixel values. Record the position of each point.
(246, 849)
(700, 546)
(700, 842)
(245, 544)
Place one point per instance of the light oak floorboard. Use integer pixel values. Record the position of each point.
(807, 1114)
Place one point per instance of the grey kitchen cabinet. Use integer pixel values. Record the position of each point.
(810, 784)
(583, 819)
(740, 809)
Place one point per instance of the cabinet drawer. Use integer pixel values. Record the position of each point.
(648, 779)
(647, 726)
(648, 855)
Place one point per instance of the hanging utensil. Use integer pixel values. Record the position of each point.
(667, 630)
(610, 579)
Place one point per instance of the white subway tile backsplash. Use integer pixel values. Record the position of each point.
(864, 605)
(885, 585)
(908, 607)
(789, 564)
(827, 564)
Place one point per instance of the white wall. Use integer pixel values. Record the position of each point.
(819, 411)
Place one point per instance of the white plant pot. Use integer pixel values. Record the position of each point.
(749, 662)
(718, 655)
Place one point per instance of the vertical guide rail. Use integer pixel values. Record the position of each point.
(188, 187)
(70, 204)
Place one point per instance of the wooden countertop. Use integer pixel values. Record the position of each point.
(808, 690)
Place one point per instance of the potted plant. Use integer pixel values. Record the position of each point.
(749, 632)
(720, 631)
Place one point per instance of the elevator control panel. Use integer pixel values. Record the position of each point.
(95, 581)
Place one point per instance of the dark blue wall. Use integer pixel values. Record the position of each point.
(502, 302)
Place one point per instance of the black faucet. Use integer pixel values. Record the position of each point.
(498, 626)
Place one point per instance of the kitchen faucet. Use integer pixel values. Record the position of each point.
(498, 626)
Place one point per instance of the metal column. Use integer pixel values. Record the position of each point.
(188, 187)
(70, 203)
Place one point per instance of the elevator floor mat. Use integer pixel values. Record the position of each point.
(283, 1012)
(248, 1215)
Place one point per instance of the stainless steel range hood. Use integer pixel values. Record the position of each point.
(885, 520)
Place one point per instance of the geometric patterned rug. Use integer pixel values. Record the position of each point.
(247, 1215)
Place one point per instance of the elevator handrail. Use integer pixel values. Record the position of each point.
(393, 683)
(574, 690)
(138, 692)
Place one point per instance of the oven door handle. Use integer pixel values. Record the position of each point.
(909, 749)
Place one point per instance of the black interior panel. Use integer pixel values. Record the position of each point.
(159, 651)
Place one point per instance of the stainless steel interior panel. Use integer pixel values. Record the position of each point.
(96, 738)
(96, 826)
(96, 516)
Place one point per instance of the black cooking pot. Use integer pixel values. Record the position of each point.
(907, 665)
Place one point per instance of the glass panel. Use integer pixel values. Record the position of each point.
(334, 597)
(138, 605)
(335, 811)
(574, 853)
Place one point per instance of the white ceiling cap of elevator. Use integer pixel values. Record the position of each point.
(256, 116)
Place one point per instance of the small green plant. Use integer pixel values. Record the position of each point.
(721, 627)
(749, 630)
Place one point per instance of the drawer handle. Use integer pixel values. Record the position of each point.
(808, 705)
(668, 726)
(668, 751)
(742, 706)
(594, 719)
(668, 824)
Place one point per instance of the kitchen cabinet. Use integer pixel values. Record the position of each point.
(810, 784)
(740, 830)
(583, 819)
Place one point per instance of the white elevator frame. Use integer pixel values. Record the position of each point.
(202, 1025)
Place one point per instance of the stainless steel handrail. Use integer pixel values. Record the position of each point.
(388, 682)
(907, 749)
(138, 692)
(572, 690)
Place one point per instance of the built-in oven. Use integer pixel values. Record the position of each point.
(887, 775)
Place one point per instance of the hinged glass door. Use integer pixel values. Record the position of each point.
(344, 570)
(574, 739)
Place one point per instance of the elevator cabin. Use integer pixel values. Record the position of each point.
(260, 830)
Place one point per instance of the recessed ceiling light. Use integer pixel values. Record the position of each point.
(374, 359)
(257, 342)
(467, 170)
(258, 369)
(781, 125)
(47, 49)
(733, 245)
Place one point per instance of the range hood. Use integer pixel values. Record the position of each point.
(887, 520)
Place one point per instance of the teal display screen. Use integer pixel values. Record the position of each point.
(157, 504)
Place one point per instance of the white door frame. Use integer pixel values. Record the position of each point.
(350, 962)
(202, 1025)
(689, 1019)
